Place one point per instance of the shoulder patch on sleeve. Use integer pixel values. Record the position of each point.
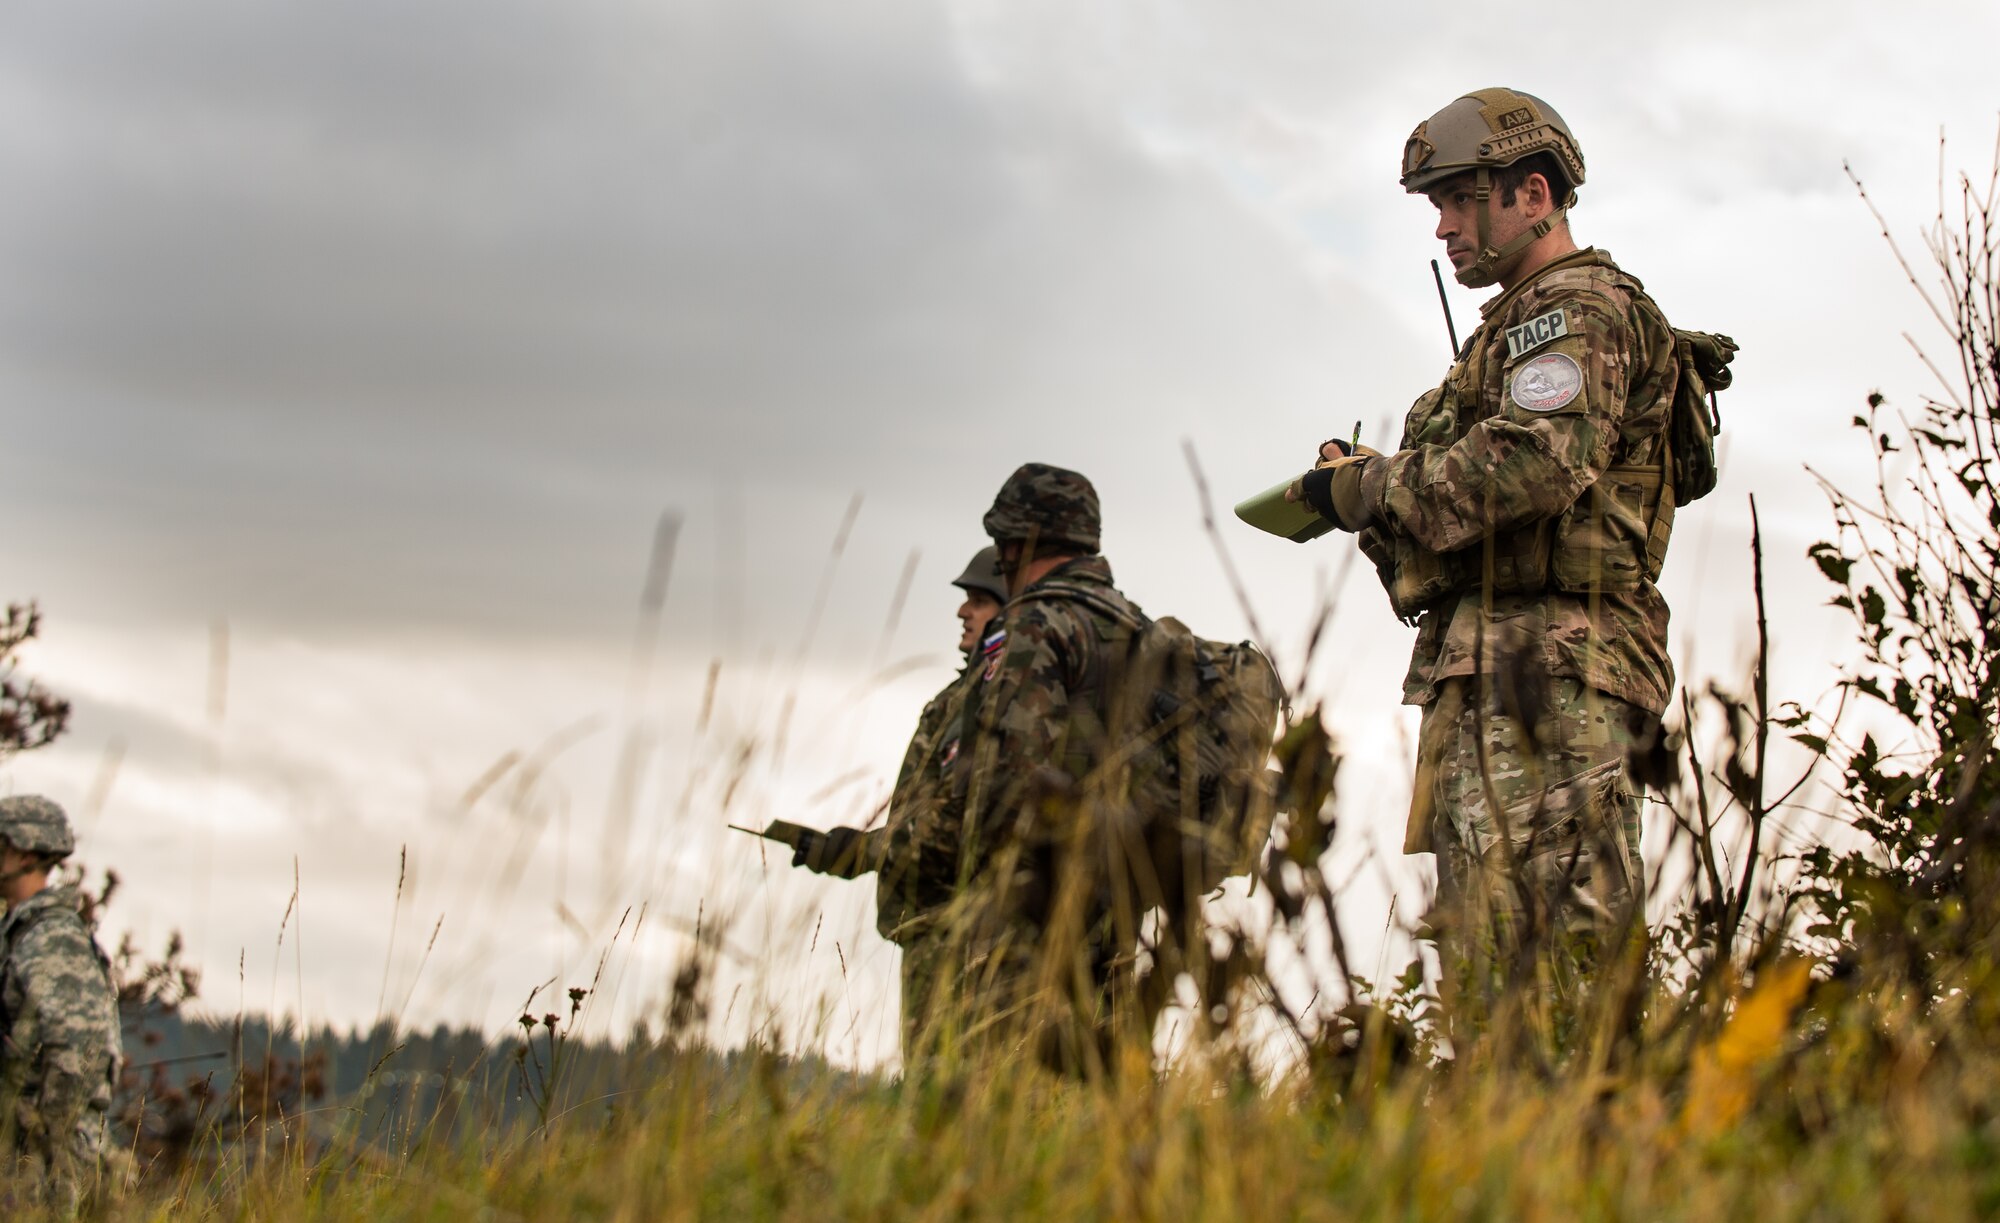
(1547, 382)
(1536, 332)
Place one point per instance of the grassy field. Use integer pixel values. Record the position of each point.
(1889, 1135)
(1801, 1036)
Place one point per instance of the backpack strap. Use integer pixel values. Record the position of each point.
(1116, 661)
(1660, 510)
(1117, 608)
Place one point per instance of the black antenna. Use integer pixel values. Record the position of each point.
(1450, 328)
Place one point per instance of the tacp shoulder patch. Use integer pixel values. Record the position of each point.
(1548, 382)
(1536, 332)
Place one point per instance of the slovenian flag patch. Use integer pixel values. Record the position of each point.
(993, 644)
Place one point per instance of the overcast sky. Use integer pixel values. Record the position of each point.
(383, 335)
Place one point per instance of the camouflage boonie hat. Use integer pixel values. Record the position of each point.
(1048, 505)
(36, 825)
(982, 573)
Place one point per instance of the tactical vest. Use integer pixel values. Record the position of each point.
(1610, 540)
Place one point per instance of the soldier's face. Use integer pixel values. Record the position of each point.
(21, 874)
(974, 615)
(1458, 216)
(1458, 221)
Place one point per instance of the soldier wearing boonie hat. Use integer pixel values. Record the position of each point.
(59, 1040)
(1521, 525)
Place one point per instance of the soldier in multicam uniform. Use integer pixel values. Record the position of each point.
(1041, 962)
(1521, 525)
(59, 1042)
(915, 860)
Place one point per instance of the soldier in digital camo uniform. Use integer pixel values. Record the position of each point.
(1041, 961)
(59, 1042)
(1521, 525)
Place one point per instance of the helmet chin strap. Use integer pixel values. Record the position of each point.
(1492, 263)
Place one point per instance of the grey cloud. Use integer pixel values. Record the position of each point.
(292, 776)
(320, 326)
(1767, 96)
(240, 235)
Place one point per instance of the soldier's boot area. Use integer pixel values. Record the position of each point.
(1025, 995)
(926, 965)
(60, 1183)
(1537, 847)
(1032, 976)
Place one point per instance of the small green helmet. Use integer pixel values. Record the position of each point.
(1484, 131)
(36, 825)
(982, 573)
(1046, 505)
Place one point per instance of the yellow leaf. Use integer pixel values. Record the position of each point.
(1726, 1069)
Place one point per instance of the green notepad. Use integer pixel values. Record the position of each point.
(1269, 511)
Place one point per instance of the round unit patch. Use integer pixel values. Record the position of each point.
(1547, 382)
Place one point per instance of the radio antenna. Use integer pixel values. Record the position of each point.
(1450, 328)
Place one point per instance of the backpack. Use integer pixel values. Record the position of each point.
(1695, 420)
(1189, 725)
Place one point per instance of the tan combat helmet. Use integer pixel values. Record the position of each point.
(1482, 132)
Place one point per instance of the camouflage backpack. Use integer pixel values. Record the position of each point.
(1189, 726)
(1704, 361)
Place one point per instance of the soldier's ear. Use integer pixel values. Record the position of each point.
(1538, 195)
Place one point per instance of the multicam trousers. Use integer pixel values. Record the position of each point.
(1536, 830)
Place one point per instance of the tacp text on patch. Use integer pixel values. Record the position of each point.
(1536, 332)
(1547, 382)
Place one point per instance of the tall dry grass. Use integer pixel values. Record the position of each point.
(1805, 1032)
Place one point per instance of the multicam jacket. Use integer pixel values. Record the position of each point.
(59, 1042)
(1566, 386)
